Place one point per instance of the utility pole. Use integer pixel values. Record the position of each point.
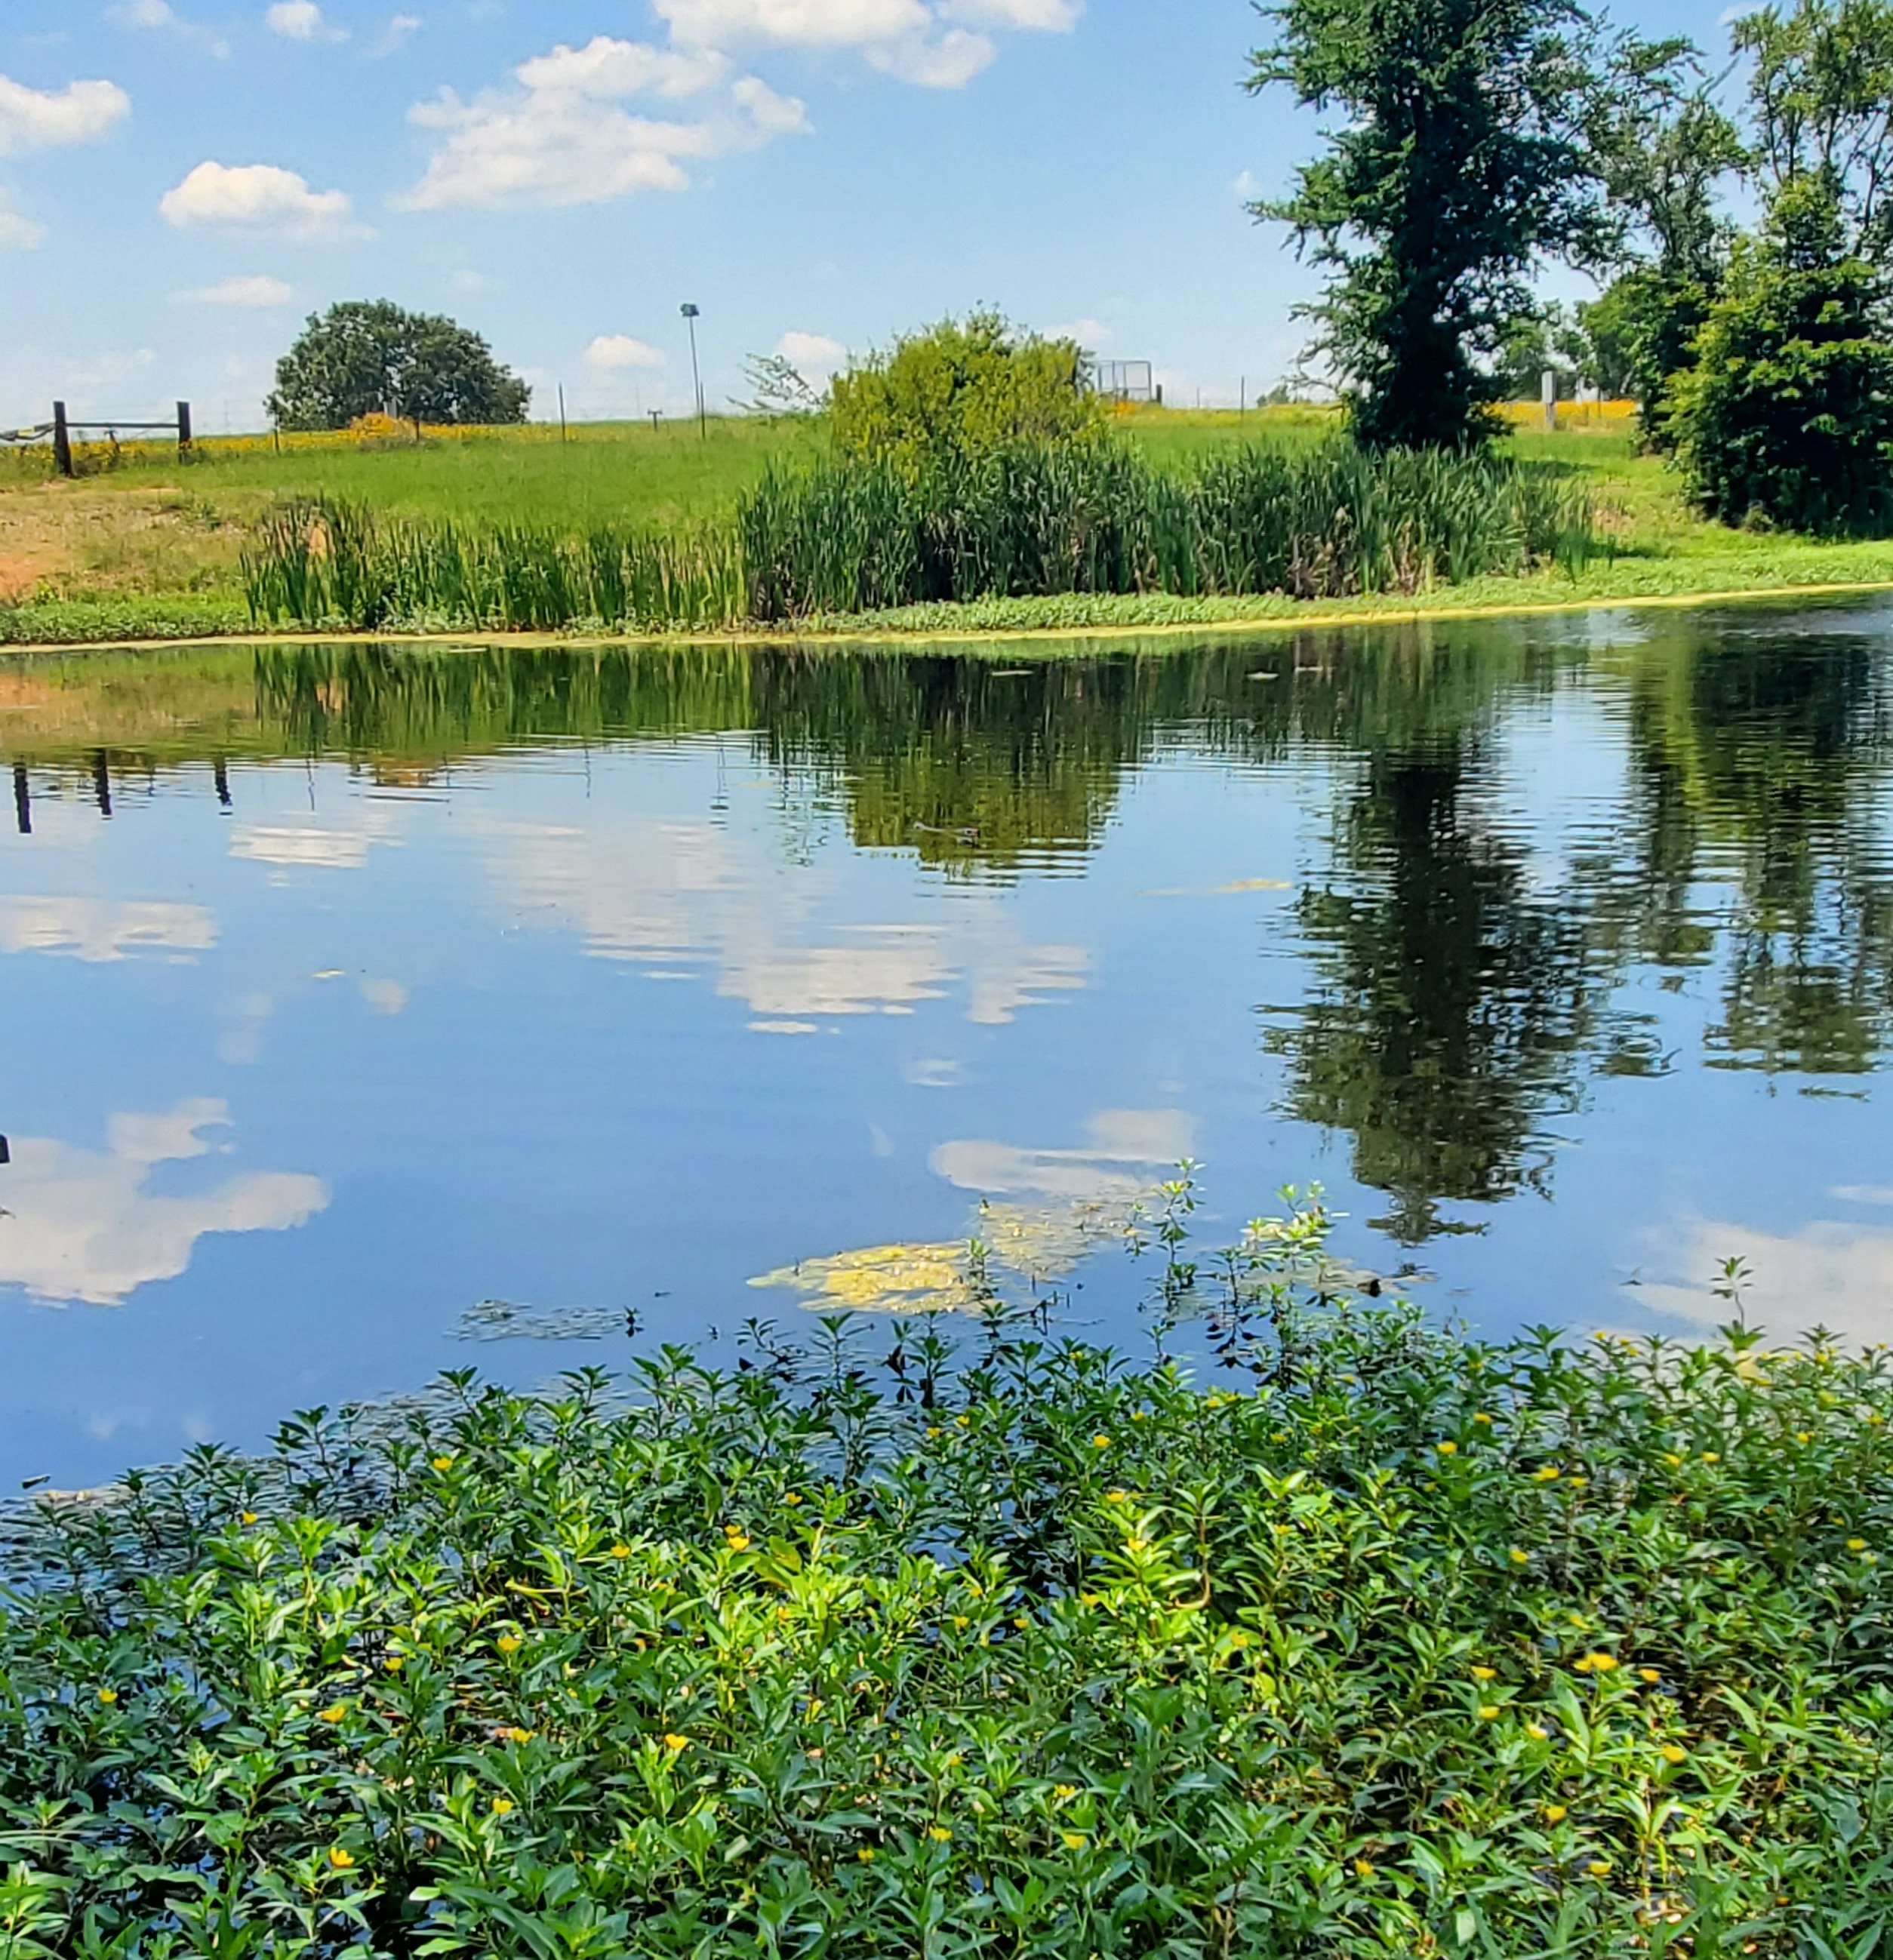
(693, 314)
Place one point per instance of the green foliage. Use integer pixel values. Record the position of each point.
(370, 357)
(1820, 92)
(1663, 146)
(322, 561)
(1643, 332)
(847, 536)
(958, 392)
(1315, 522)
(1787, 415)
(1460, 160)
(1398, 1644)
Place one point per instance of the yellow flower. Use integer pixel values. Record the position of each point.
(1580, 1483)
(1485, 1421)
(1075, 1841)
(1363, 1869)
(443, 1463)
(865, 1855)
(340, 1859)
(1804, 1436)
(1856, 1544)
(793, 1499)
(965, 1422)
(1519, 1558)
(1555, 1813)
(1063, 1793)
(250, 1517)
(1711, 1456)
(621, 1551)
(394, 1663)
(1021, 1622)
(940, 1833)
(1538, 1733)
(676, 1744)
(1598, 1663)
(508, 1643)
(1675, 1461)
(932, 1436)
(1598, 1868)
(1485, 1674)
(338, 1713)
(1490, 1713)
(521, 1735)
(1117, 1497)
(502, 1806)
(1101, 1442)
(108, 1695)
(1673, 1752)
(1650, 1673)
(738, 1542)
(1547, 1474)
(1449, 1448)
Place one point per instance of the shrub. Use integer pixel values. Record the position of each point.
(1397, 1644)
(1787, 412)
(958, 392)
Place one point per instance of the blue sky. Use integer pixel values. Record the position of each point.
(182, 180)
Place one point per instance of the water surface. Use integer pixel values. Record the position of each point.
(367, 1013)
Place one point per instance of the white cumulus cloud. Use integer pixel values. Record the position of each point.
(611, 351)
(934, 43)
(256, 197)
(401, 29)
(254, 290)
(160, 17)
(18, 232)
(814, 353)
(301, 20)
(40, 119)
(562, 135)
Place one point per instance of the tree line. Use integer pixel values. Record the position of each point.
(1474, 141)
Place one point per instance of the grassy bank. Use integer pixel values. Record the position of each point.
(1394, 1644)
(153, 551)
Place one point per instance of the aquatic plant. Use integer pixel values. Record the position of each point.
(1321, 520)
(1393, 1643)
(326, 560)
(848, 535)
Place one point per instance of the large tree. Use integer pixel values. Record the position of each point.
(370, 357)
(1460, 160)
(1662, 146)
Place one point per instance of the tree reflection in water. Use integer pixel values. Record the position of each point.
(1465, 984)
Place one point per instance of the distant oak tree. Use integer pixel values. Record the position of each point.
(370, 357)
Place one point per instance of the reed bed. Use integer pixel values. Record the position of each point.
(322, 561)
(1324, 521)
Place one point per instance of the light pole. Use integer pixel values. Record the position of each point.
(693, 314)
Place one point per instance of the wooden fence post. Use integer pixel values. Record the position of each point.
(61, 442)
(183, 431)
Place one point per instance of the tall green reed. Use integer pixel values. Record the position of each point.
(845, 535)
(323, 561)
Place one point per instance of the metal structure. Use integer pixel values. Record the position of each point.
(1124, 381)
(693, 314)
(63, 428)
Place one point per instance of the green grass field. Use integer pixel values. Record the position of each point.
(151, 548)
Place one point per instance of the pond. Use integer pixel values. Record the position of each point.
(366, 1013)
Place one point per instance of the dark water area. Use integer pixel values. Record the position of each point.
(367, 1012)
